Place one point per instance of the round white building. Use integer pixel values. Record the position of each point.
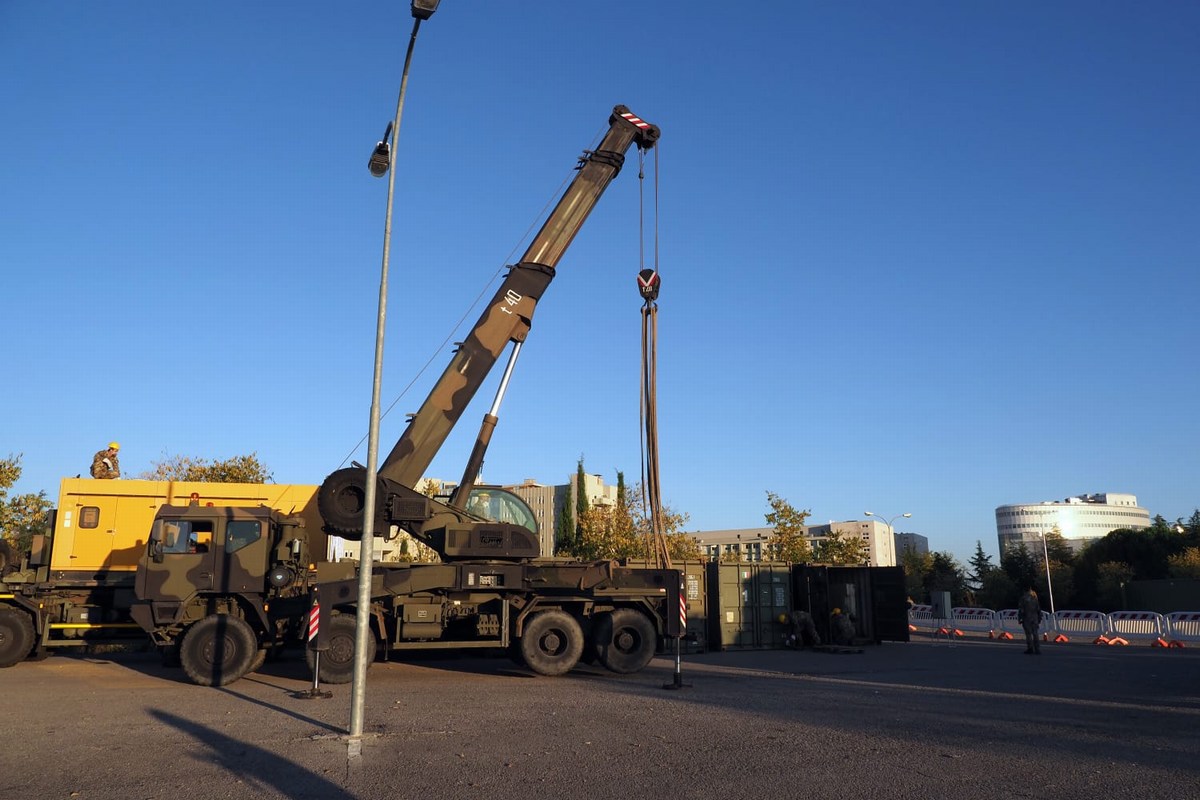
(1079, 519)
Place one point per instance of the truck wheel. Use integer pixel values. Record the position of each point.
(260, 658)
(16, 636)
(341, 500)
(217, 650)
(624, 640)
(337, 663)
(552, 642)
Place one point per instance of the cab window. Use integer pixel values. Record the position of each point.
(187, 536)
(498, 505)
(241, 533)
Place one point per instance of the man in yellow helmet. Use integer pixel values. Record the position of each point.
(105, 464)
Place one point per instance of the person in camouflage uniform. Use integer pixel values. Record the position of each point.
(105, 464)
(802, 632)
(841, 627)
(1029, 614)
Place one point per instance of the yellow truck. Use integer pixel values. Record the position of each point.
(76, 584)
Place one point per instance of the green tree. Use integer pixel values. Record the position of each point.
(564, 531)
(22, 515)
(238, 469)
(1020, 565)
(788, 541)
(1185, 564)
(945, 575)
(681, 546)
(981, 567)
(997, 590)
(916, 567)
(1112, 576)
(841, 549)
(581, 502)
(623, 530)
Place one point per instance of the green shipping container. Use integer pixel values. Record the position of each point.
(696, 639)
(745, 602)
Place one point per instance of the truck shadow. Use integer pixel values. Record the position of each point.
(255, 766)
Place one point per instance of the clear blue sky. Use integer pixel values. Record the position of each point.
(920, 257)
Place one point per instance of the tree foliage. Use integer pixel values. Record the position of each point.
(981, 567)
(841, 549)
(565, 531)
(623, 531)
(1111, 577)
(934, 572)
(22, 515)
(1185, 564)
(238, 469)
(788, 540)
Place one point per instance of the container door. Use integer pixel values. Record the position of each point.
(889, 603)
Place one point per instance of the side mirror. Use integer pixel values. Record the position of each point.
(156, 551)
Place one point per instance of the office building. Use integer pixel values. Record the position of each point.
(1079, 519)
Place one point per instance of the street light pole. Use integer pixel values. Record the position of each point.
(1046, 559)
(889, 522)
(379, 164)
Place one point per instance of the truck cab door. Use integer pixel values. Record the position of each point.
(182, 563)
(244, 557)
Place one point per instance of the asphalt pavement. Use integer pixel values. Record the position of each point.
(921, 720)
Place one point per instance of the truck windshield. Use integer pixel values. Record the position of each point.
(498, 505)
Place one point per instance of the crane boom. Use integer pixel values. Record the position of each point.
(506, 320)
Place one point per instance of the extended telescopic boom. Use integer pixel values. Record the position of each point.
(506, 319)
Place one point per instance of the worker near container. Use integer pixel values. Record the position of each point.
(1029, 614)
(802, 632)
(841, 627)
(105, 464)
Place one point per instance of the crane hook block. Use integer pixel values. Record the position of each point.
(648, 284)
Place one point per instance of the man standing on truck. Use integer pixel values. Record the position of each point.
(105, 464)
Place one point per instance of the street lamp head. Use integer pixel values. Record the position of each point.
(423, 9)
(906, 515)
(381, 156)
(868, 513)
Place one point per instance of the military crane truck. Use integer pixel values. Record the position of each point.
(491, 588)
(75, 585)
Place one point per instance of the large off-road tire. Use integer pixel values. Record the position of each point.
(16, 636)
(341, 500)
(217, 650)
(337, 663)
(256, 663)
(624, 640)
(552, 642)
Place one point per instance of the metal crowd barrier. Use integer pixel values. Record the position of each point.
(979, 620)
(1083, 623)
(920, 618)
(1177, 629)
(1183, 627)
(1008, 628)
(1124, 626)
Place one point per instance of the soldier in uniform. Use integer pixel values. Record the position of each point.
(105, 464)
(802, 633)
(841, 627)
(1029, 614)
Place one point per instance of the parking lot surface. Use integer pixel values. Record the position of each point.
(918, 720)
